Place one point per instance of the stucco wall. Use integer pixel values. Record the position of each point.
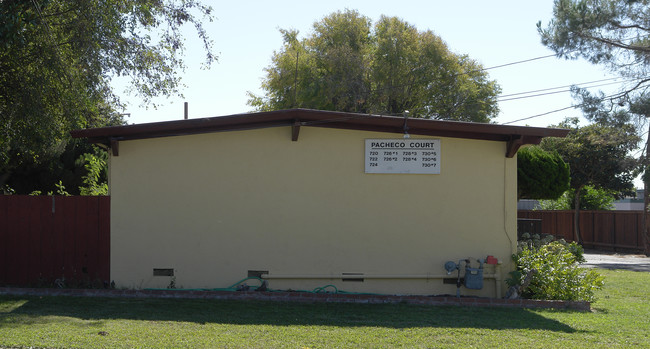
(213, 206)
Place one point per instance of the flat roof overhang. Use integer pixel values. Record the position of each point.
(515, 136)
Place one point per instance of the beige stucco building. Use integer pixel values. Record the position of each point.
(293, 196)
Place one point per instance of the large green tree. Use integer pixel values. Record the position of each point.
(616, 35)
(598, 156)
(57, 59)
(347, 64)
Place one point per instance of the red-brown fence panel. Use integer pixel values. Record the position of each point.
(599, 229)
(54, 240)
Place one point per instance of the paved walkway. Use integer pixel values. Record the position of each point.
(611, 260)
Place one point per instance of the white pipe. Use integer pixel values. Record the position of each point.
(497, 279)
(360, 276)
(496, 276)
(367, 276)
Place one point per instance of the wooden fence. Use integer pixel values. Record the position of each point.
(598, 229)
(50, 240)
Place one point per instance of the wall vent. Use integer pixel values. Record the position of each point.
(163, 272)
(257, 273)
(352, 277)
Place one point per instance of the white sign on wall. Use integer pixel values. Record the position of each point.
(416, 156)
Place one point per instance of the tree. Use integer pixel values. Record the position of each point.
(95, 180)
(640, 106)
(67, 168)
(541, 174)
(57, 59)
(598, 156)
(616, 35)
(590, 199)
(346, 64)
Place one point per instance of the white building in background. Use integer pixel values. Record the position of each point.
(527, 204)
(626, 204)
(630, 203)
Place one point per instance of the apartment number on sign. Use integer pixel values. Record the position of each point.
(413, 156)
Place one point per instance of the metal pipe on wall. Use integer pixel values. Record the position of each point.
(496, 276)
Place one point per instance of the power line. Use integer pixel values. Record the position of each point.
(370, 91)
(537, 58)
(561, 91)
(465, 72)
(555, 88)
(480, 70)
(538, 115)
(612, 96)
(508, 64)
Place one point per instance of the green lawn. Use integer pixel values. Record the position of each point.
(620, 318)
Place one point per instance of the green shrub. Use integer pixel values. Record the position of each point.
(590, 199)
(536, 241)
(558, 276)
(541, 174)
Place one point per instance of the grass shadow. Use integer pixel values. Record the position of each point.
(276, 313)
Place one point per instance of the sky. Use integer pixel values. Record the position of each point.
(494, 33)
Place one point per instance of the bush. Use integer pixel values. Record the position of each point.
(541, 174)
(558, 276)
(536, 241)
(590, 199)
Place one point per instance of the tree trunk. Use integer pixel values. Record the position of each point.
(3, 180)
(645, 231)
(576, 216)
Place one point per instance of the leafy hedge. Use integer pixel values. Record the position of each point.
(541, 174)
(559, 276)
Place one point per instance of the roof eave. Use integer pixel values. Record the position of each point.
(516, 136)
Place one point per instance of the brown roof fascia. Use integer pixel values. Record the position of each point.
(516, 136)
